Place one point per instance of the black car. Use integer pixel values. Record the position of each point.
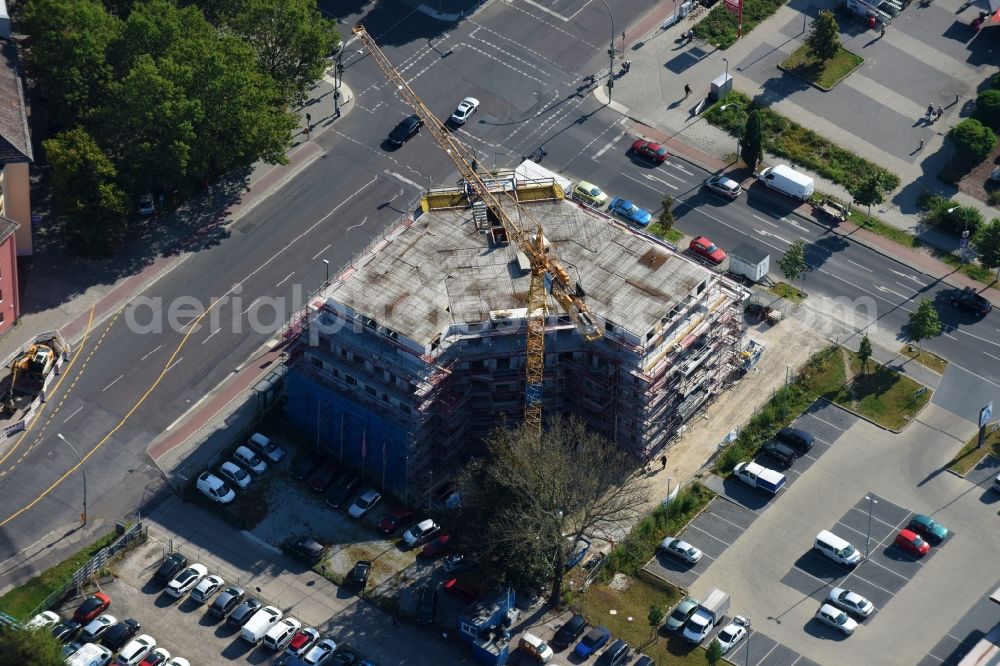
(304, 466)
(427, 605)
(616, 654)
(643, 660)
(798, 439)
(405, 130)
(67, 630)
(243, 612)
(306, 549)
(569, 632)
(117, 636)
(359, 574)
(779, 452)
(970, 300)
(343, 490)
(228, 599)
(172, 565)
(344, 657)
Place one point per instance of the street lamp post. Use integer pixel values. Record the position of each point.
(326, 263)
(726, 60)
(611, 52)
(868, 537)
(83, 470)
(749, 631)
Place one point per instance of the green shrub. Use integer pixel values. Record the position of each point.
(988, 109)
(973, 141)
(719, 27)
(995, 80)
(994, 197)
(950, 217)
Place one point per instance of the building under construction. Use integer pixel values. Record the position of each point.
(417, 348)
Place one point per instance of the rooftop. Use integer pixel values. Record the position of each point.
(442, 271)
(15, 141)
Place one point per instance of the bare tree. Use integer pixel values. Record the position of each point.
(531, 500)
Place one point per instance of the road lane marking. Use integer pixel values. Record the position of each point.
(210, 335)
(545, 9)
(793, 223)
(322, 251)
(150, 353)
(405, 180)
(251, 305)
(287, 277)
(766, 221)
(187, 411)
(608, 146)
(174, 363)
(73, 414)
(860, 266)
(111, 384)
(887, 290)
(952, 337)
(992, 356)
(768, 233)
(908, 276)
(652, 177)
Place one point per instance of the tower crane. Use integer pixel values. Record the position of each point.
(547, 272)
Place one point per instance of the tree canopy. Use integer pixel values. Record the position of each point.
(973, 141)
(30, 648)
(793, 261)
(925, 322)
(824, 36)
(987, 242)
(870, 189)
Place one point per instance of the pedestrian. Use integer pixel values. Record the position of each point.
(940, 111)
(541, 151)
(921, 145)
(930, 111)
(663, 462)
(871, 22)
(309, 120)
(687, 91)
(882, 33)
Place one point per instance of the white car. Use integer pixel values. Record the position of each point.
(94, 629)
(466, 108)
(280, 635)
(681, 550)
(42, 620)
(250, 460)
(234, 474)
(160, 654)
(852, 602)
(185, 581)
(320, 653)
(732, 633)
(420, 532)
(215, 489)
(178, 661)
(832, 616)
(88, 654)
(361, 506)
(208, 586)
(136, 650)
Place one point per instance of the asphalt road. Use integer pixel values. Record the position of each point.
(527, 67)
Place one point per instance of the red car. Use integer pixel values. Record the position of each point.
(436, 547)
(911, 542)
(460, 590)
(651, 150)
(395, 520)
(707, 249)
(321, 479)
(92, 606)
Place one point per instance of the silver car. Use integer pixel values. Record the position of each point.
(682, 550)
(852, 602)
(833, 617)
(727, 187)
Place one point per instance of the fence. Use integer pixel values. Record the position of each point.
(94, 566)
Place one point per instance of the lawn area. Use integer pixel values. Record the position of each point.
(788, 292)
(882, 395)
(967, 459)
(824, 74)
(633, 601)
(924, 357)
(20, 601)
(877, 226)
(719, 27)
(670, 235)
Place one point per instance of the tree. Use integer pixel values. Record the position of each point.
(531, 499)
(666, 219)
(30, 648)
(824, 36)
(972, 140)
(793, 262)
(655, 618)
(870, 189)
(987, 242)
(925, 323)
(987, 109)
(865, 353)
(714, 652)
(752, 144)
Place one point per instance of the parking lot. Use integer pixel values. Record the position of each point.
(972, 626)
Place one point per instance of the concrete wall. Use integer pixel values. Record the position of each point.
(17, 203)
(10, 302)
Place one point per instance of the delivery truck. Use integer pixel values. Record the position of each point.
(708, 615)
(756, 475)
(749, 261)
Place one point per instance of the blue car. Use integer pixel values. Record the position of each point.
(629, 212)
(592, 642)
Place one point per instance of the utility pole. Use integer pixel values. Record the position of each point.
(83, 470)
(611, 52)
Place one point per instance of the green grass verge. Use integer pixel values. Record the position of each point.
(880, 228)
(882, 395)
(719, 27)
(924, 357)
(670, 235)
(20, 601)
(795, 143)
(788, 292)
(974, 271)
(824, 74)
(969, 456)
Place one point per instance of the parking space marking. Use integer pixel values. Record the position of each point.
(875, 518)
(709, 535)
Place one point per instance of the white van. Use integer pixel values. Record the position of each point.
(788, 181)
(837, 549)
(280, 635)
(90, 654)
(256, 628)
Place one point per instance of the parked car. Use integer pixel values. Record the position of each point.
(365, 503)
(643, 660)
(304, 466)
(405, 130)
(146, 206)
(87, 654)
(833, 617)
(344, 657)
(680, 549)
(91, 607)
(466, 108)
(359, 574)
(306, 549)
(342, 492)
(319, 654)
(910, 542)
(798, 439)
(650, 150)
(933, 532)
(455, 562)
(682, 613)
(234, 474)
(436, 547)
(593, 641)
(94, 630)
(302, 641)
(158, 657)
(426, 605)
(616, 654)
(629, 212)
(120, 634)
(207, 587)
(395, 519)
(420, 532)
(969, 300)
(724, 186)
(569, 632)
(243, 612)
(779, 452)
(852, 602)
(266, 447)
(281, 634)
(227, 601)
(253, 462)
(42, 620)
(214, 489)
(66, 631)
(321, 479)
(733, 633)
(185, 581)
(535, 647)
(136, 650)
(460, 589)
(178, 661)
(706, 249)
(171, 564)
(590, 194)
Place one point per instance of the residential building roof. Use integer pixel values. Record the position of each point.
(15, 139)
